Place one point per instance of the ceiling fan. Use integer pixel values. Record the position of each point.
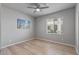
(38, 6)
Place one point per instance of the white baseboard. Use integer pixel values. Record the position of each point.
(57, 42)
(16, 43)
(39, 39)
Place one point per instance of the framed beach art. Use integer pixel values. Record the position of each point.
(23, 23)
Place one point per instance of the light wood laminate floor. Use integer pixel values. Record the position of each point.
(38, 47)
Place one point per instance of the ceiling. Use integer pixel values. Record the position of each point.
(53, 7)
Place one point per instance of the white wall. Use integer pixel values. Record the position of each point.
(77, 28)
(68, 27)
(9, 32)
(0, 25)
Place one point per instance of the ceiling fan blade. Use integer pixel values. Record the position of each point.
(31, 7)
(43, 7)
(34, 11)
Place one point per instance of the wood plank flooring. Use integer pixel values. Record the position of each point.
(38, 47)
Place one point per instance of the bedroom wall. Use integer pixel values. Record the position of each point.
(9, 32)
(0, 25)
(68, 27)
(77, 29)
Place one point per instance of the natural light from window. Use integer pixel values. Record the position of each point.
(54, 26)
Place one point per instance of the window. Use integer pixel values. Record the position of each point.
(54, 25)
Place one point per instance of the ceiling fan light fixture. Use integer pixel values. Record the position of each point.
(38, 10)
(37, 7)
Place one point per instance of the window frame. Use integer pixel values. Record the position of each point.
(47, 26)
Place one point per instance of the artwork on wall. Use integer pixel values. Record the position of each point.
(23, 23)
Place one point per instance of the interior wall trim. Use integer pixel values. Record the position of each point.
(56, 42)
(16, 43)
(39, 39)
(77, 51)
